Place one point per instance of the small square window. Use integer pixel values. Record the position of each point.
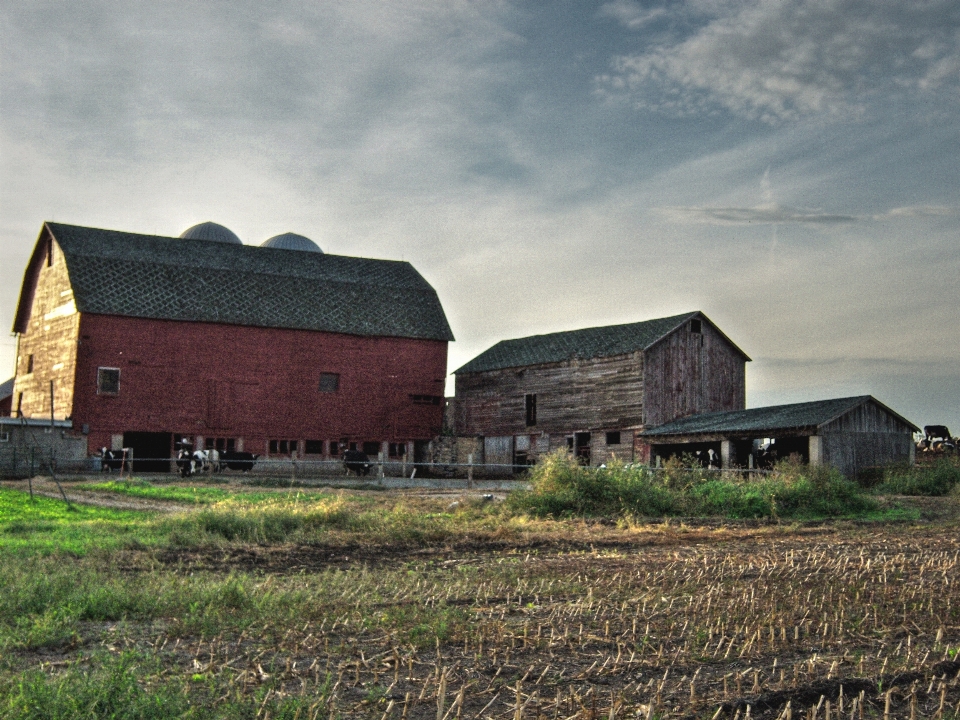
(329, 382)
(4, 437)
(613, 437)
(372, 448)
(398, 450)
(313, 447)
(696, 326)
(108, 381)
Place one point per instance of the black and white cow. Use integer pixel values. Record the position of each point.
(110, 460)
(242, 461)
(186, 465)
(936, 432)
(356, 462)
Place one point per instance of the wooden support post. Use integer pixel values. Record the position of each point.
(816, 450)
(726, 450)
(470, 471)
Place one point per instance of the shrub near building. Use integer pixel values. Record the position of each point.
(560, 487)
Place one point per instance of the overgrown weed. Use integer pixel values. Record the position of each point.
(562, 488)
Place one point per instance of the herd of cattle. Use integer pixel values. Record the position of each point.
(191, 462)
(937, 439)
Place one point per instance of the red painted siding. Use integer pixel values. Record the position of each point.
(254, 383)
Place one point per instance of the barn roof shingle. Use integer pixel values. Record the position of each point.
(584, 344)
(794, 416)
(149, 276)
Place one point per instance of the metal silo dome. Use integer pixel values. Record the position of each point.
(292, 241)
(212, 232)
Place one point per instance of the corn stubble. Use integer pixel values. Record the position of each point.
(825, 625)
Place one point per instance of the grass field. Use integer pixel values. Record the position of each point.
(249, 603)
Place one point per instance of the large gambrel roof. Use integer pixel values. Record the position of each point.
(149, 276)
(584, 344)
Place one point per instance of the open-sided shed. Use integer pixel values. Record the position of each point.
(851, 434)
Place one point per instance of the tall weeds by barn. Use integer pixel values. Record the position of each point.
(560, 487)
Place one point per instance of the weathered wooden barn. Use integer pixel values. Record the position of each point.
(852, 434)
(279, 349)
(593, 390)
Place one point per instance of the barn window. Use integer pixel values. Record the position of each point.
(397, 450)
(283, 447)
(313, 447)
(329, 382)
(696, 326)
(4, 437)
(371, 448)
(221, 444)
(108, 381)
(29, 363)
(613, 437)
(530, 406)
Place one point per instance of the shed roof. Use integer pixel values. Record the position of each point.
(33, 422)
(772, 419)
(149, 276)
(583, 344)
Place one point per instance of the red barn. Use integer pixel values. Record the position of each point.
(279, 349)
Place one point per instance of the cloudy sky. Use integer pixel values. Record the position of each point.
(791, 168)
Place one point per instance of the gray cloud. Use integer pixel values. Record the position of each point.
(470, 139)
(762, 215)
(630, 14)
(919, 211)
(777, 60)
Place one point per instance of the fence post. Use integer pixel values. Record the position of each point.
(470, 471)
(403, 471)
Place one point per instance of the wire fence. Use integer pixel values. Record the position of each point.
(33, 461)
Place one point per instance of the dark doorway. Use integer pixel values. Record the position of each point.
(581, 447)
(421, 456)
(151, 451)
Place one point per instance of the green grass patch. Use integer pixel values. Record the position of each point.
(943, 478)
(293, 519)
(194, 495)
(47, 525)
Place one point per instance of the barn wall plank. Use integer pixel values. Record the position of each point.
(580, 395)
(690, 373)
(51, 338)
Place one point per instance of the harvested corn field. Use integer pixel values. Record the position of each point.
(660, 622)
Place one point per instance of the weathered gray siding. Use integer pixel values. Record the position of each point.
(853, 452)
(868, 417)
(690, 373)
(576, 395)
(867, 436)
